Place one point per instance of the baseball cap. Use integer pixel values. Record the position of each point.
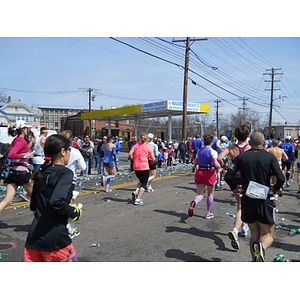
(150, 135)
(21, 124)
(224, 138)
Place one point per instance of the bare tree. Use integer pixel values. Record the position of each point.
(3, 97)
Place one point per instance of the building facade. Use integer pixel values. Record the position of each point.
(123, 129)
(51, 117)
(283, 131)
(17, 110)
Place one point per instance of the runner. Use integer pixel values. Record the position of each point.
(258, 207)
(152, 172)
(280, 156)
(140, 154)
(109, 162)
(48, 237)
(205, 164)
(38, 149)
(289, 149)
(241, 133)
(19, 153)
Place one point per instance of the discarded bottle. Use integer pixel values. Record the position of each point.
(280, 258)
(95, 245)
(191, 227)
(294, 230)
(3, 255)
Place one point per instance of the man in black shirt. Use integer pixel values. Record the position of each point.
(258, 210)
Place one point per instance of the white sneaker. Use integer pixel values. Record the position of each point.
(138, 202)
(244, 230)
(234, 240)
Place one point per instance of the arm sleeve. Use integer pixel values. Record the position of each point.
(14, 151)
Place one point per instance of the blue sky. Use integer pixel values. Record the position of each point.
(56, 71)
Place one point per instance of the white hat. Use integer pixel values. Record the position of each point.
(21, 124)
(150, 135)
(224, 138)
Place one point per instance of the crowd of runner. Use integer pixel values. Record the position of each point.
(254, 167)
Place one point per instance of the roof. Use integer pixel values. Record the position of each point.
(148, 110)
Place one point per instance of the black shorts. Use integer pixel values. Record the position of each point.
(254, 210)
(19, 178)
(287, 165)
(143, 177)
(153, 166)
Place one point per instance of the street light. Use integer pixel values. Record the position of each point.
(201, 127)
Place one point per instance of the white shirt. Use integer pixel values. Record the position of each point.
(76, 162)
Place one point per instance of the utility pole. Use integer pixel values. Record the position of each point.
(91, 98)
(244, 108)
(185, 82)
(272, 92)
(90, 108)
(217, 116)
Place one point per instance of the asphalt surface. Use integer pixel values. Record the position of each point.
(158, 231)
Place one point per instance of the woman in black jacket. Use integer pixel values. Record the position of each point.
(48, 238)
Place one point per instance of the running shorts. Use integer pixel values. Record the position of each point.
(19, 178)
(109, 165)
(66, 254)
(287, 165)
(207, 177)
(153, 166)
(254, 210)
(143, 177)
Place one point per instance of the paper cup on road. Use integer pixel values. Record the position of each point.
(75, 194)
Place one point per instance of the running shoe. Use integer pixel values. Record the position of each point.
(138, 202)
(209, 215)
(287, 184)
(103, 180)
(258, 252)
(298, 191)
(108, 190)
(133, 196)
(191, 210)
(218, 188)
(234, 240)
(75, 232)
(244, 230)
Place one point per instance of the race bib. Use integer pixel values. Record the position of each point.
(257, 191)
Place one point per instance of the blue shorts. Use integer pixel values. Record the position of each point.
(298, 165)
(109, 165)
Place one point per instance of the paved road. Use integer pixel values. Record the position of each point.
(158, 231)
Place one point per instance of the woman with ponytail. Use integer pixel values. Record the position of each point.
(19, 153)
(141, 154)
(48, 237)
